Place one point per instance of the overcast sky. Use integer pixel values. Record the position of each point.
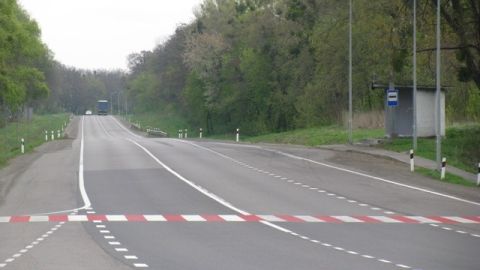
(99, 34)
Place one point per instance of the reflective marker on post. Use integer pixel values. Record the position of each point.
(444, 164)
(412, 161)
(23, 146)
(238, 135)
(200, 133)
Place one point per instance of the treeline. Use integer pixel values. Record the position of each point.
(31, 79)
(269, 66)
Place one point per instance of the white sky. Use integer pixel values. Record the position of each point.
(99, 34)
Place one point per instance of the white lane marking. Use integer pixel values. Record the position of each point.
(101, 125)
(155, 218)
(121, 249)
(193, 218)
(140, 265)
(114, 243)
(126, 129)
(374, 177)
(213, 196)
(384, 261)
(402, 266)
(130, 257)
(100, 226)
(190, 183)
(109, 237)
(81, 180)
(104, 231)
(116, 218)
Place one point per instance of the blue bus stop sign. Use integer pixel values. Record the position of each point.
(392, 97)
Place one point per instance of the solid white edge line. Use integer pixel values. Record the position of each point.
(343, 170)
(375, 177)
(126, 129)
(81, 180)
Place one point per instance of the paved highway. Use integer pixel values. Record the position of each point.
(112, 199)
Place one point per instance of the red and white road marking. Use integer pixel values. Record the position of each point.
(246, 218)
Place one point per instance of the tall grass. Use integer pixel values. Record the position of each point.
(32, 131)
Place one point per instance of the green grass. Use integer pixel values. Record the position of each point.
(317, 136)
(461, 147)
(32, 131)
(449, 178)
(167, 122)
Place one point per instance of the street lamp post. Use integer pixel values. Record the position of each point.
(350, 114)
(438, 115)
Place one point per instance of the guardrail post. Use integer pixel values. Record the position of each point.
(444, 165)
(412, 161)
(23, 146)
(237, 139)
(200, 134)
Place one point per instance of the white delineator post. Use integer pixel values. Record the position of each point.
(58, 133)
(46, 136)
(23, 146)
(53, 135)
(186, 134)
(412, 161)
(478, 175)
(444, 165)
(200, 134)
(237, 139)
(179, 134)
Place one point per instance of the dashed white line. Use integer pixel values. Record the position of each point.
(140, 265)
(130, 257)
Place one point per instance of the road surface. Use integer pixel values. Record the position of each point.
(112, 199)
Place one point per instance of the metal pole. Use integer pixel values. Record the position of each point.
(350, 139)
(414, 74)
(438, 115)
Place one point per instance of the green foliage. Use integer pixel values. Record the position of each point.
(32, 131)
(22, 57)
(460, 147)
(268, 66)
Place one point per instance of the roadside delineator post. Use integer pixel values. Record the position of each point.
(23, 146)
(237, 139)
(200, 134)
(444, 165)
(58, 133)
(46, 136)
(180, 135)
(412, 161)
(478, 175)
(186, 134)
(52, 135)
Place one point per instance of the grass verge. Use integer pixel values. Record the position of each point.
(460, 147)
(32, 131)
(167, 122)
(449, 178)
(317, 136)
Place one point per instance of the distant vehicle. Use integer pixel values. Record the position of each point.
(102, 107)
(88, 112)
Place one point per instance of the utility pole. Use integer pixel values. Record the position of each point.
(438, 115)
(414, 74)
(350, 114)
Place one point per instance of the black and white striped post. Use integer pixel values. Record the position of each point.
(200, 134)
(46, 136)
(52, 135)
(179, 133)
(237, 139)
(444, 165)
(412, 161)
(23, 146)
(478, 175)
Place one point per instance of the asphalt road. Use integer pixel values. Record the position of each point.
(194, 204)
